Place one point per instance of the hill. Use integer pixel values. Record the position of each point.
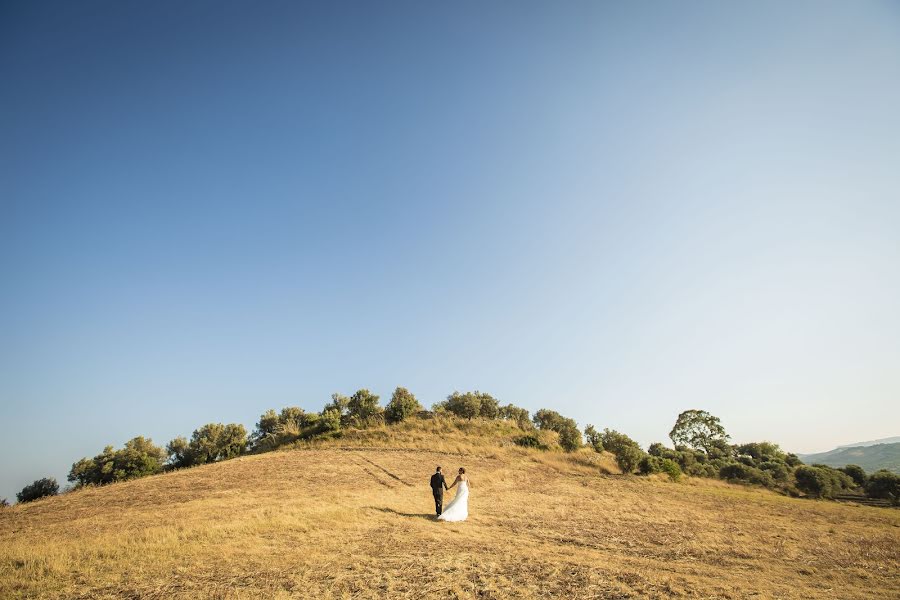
(889, 440)
(351, 518)
(871, 458)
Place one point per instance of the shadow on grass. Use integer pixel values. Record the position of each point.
(391, 511)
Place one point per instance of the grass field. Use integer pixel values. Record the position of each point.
(352, 519)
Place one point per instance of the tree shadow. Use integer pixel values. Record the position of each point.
(391, 511)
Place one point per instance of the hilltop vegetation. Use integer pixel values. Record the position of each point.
(701, 447)
(348, 516)
(873, 457)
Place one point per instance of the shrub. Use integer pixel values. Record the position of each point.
(530, 441)
(274, 429)
(702, 470)
(760, 451)
(329, 420)
(856, 473)
(470, 405)
(4, 502)
(627, 452)
(210, 443)
(649, 464)
(884, 484)
(39, 489)
(593, 438)
(671, 468)
(570, 438)
(741, 473)
(362, 407)
(821, 481)
(402, 406)
(511, 412)
(138, 458)
(792, 460)
(569, 434)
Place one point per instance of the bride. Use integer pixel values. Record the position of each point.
(458, 509)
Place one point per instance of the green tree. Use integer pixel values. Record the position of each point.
(569, 434)
(884, 484)
(511, 412)
(857, 474)
(330, 420)
(39, 489)
(594, 439)
(179, 452)
(465, 406)
(338, 403)
(138, 458)
(363, 406)
(699, 429)
(627, 452)
(403, 405)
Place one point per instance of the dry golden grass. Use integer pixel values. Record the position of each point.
(352, 519)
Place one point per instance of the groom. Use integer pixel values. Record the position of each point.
(438, 485)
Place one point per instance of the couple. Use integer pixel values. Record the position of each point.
(458, 509)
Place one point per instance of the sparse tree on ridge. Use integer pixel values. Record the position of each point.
(403, 405)
(593, 438)
(698, 429)
(139, 457)
(39, 489)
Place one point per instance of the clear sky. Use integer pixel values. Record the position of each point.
(619, 210)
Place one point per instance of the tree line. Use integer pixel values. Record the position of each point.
(700, 446)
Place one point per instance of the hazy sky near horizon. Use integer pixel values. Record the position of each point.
(616, 210)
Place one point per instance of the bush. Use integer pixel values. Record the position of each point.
(530, 441)
(274, 429)
(821, 481)
(884, 484)
(741, 473)
(402, 406)
(593, 438)
(511, 412)
(671, 468)
(210, 443)
(649, 464)
(857, 474)
(363, 407)
(569, 434)
(39, 489)
(4, 502)
(627, 452)
(470, 405)
(138, 458)
(329, 420)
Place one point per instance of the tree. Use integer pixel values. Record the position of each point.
(138, 458)
(857, 474)
(363, 405)
(465, 406)
(403, 405)
(569, 434)
(821, 481)
(338, 403)
(39, 489)
(330, 420)
(884, 484)
(698, 429)
(511, 412)
(627, 452)
(4, 502)
(593, 438)
(210, 443)
(179, 451)
(489, 407)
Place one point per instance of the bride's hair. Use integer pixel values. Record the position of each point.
(462, 470)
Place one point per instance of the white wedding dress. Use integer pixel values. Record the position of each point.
(458, 509)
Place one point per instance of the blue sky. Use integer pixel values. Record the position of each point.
(617, 210)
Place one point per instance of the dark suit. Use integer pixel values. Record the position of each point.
(437, 488)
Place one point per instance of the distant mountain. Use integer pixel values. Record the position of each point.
(890, 440)
(871, 456)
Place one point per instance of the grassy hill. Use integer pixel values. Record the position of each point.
(351, 518)
(871, 458)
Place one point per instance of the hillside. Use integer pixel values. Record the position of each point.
(871, 458)
(351, 518)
